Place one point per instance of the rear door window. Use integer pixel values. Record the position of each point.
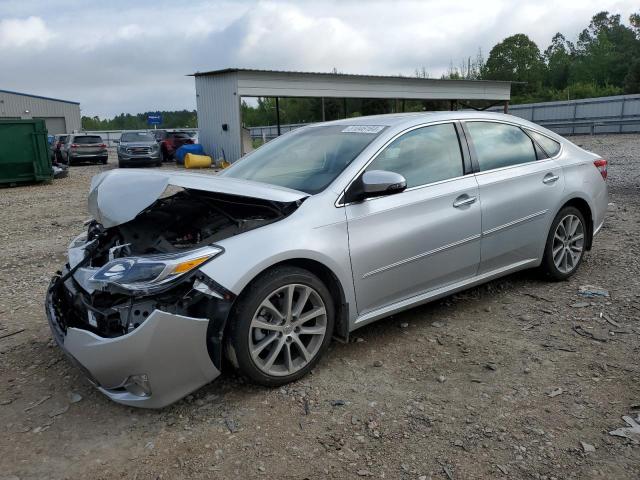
(424, 155)
(499, 145)
(88, 139)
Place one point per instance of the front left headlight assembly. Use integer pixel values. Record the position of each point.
(151, 272)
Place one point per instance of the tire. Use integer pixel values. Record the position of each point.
(121, 164)
(286, 332)
(104, 161)
(563, 254)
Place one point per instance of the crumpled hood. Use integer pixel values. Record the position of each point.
(118, 196)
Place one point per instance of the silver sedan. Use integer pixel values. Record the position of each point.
(315, 234)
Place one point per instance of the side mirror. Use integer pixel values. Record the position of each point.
(376, 183)
(382, 182)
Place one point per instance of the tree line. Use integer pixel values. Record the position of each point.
(127, 121)
(604, 60)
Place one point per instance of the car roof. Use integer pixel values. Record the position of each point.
(416, 118)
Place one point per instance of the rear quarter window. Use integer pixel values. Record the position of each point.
(551, 147)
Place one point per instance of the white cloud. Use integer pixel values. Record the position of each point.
(129, 32)
(28, 32)
(284, 36)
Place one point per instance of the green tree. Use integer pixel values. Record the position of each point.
(559, 56)
(632, 79)
(605, 50)
(517, 58)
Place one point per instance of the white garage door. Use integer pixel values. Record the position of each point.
(55, 125)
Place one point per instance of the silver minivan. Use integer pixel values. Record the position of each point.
(313, 235)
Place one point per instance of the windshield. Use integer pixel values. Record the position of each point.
(137, 137)
(308, 159)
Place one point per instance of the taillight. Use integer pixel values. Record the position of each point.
(102, 145)
(74, 145)
(601, 165)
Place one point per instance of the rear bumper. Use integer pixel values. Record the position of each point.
(89, 156)
(170, 349)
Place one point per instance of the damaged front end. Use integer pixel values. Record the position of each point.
(132, 306)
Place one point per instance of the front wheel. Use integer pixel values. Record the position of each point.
(281, 326)
(565, 244)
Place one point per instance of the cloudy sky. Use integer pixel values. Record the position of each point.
(131, 56)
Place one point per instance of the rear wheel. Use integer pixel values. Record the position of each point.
(565, 244)
(281, 327)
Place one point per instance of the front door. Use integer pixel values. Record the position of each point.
(426, 237)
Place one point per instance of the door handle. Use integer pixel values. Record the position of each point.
(463, 200)
(550, 178)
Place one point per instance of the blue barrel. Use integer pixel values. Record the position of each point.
(189, 148)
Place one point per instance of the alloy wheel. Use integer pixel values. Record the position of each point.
(568, 243)
(287, 329)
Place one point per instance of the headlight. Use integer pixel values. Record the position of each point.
(147, 273)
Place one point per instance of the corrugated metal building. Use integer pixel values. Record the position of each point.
(219, 93)
(60, 116)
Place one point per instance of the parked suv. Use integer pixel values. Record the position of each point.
(82, 147)
(170, 142)
(313, 235)
(138, 148)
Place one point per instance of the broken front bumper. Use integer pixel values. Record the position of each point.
(159, 362)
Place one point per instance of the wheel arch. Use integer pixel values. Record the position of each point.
(584, 207)
(329, 278)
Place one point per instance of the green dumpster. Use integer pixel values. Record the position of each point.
(24, 152)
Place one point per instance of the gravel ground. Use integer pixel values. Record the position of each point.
(494, 382)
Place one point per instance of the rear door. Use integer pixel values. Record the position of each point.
(520, 190)
(425, 237)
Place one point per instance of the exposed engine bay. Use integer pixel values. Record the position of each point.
(186, 220)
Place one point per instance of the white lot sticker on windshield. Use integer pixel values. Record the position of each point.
(363, 129)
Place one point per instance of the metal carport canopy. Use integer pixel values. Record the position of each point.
(270, 83)
(219, 94)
